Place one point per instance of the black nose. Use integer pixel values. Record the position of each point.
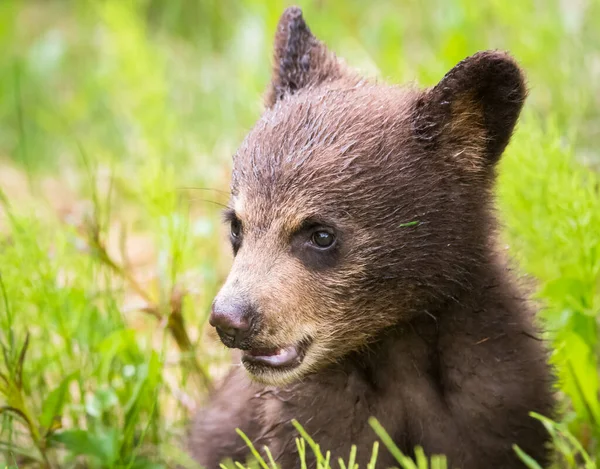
(232, 321)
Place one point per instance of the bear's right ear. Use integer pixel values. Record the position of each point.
(300, 60)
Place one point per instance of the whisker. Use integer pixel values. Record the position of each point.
(208, 201)
(191, 188)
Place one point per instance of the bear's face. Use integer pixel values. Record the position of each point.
(356, 205)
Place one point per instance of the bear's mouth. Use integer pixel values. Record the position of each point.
(277, 357)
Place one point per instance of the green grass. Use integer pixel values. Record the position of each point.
(117, 123)
(305, 445)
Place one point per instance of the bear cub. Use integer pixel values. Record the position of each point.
(366, 281)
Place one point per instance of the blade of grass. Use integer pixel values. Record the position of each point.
(253, 450)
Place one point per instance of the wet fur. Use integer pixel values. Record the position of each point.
(415, 319)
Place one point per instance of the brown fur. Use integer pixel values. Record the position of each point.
(412, 318)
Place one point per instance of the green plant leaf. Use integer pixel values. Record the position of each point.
(102, 445)
(410, 223)
(79, 442)
(53, 404)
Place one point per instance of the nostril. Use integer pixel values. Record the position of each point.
(229, 340)
(229, 323)
(227, 330)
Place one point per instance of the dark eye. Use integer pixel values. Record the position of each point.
(236, 228)
(323, 239)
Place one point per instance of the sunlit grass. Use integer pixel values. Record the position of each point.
(552, 215)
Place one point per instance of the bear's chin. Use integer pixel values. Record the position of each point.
(275, 376)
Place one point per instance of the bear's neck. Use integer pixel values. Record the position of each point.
(418, 339)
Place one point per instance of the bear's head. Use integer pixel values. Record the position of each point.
(357, 205)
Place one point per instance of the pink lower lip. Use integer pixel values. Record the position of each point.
(274, 357)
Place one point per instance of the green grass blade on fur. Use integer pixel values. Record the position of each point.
(374, 454)
(351, 462)
(438, 462)
(313, 445)
(420, 458)
(253, 450)
(270, 456)
(326, 462)
(404, 461)
(527, 460)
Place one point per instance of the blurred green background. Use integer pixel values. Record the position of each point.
(118, 119)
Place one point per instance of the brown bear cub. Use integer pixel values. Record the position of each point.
(366, 281)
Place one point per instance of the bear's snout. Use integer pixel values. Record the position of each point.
(234, 322)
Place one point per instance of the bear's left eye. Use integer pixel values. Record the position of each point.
(323, 239)
(317, 244)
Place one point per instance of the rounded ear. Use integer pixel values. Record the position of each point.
(300, 60)
(476, 104)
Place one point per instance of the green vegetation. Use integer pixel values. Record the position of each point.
(117, 123)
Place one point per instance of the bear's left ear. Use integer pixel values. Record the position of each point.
(475, 106)
(300, 60)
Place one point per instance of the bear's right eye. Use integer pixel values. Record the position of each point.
(236, 228)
